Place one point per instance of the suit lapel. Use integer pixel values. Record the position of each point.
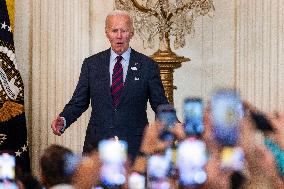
(104, 64)
(132, 73)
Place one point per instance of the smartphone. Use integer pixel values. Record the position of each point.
(193, 116)
(113, 154)
(226, 113)
(136, 181)
(191, 161)
(157, 169)
(7, 167)
(7, 171)
(261, 122)
(232, 158)
(166, 114)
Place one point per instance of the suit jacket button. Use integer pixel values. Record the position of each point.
(115, 110)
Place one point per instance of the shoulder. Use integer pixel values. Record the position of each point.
(143, 58)
(98, 56)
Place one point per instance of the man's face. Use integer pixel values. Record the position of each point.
(119, 32)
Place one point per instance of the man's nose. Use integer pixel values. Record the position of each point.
(119, 34)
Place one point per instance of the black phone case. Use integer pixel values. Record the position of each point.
(261, 122)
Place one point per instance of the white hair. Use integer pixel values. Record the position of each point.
(119, 13)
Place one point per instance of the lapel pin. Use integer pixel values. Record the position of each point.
(135, 63)
(136, 78)
(133, 68)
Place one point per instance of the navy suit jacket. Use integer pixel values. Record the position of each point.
(129, 119)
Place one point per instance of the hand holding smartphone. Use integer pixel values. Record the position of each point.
(191, 160)
(261, 122)
(7, 171)
(113, 154)
(166, 114)
(232, 158)
(136, 181)
(7, 166)
(193, 116)
(226, 114)
(158, 167)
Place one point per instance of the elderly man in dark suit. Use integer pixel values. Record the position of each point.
(119, 81)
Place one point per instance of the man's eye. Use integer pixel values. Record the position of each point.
(115, 31)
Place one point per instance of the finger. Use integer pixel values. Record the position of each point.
(60, 120)
(178, 131)
(276, 122)
(162, 145)
(155, 129)
(55, 128)
(248, 106)
(56, 132)
(281, 115)
(247, 135)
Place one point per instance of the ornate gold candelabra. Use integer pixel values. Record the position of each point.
(165, 18)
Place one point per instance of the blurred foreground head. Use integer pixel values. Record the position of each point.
(57, 166)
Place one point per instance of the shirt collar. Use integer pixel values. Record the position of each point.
(125, 55)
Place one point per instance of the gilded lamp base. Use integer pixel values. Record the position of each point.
(168, 61)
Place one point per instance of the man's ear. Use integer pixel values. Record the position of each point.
(131, 34)
(106, 32)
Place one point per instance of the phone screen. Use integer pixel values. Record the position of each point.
(158, 168)
(226, 114)
(193, 116)
(136, 181)
(7, 166)
(113, 155)
(232, 158)
(166, 114)
(7, 171)
(191, 160)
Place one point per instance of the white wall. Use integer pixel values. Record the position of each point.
(260, 52)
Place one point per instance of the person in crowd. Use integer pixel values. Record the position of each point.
(88, 171)
(119, 82)
(58, 165)
(264, 167)
(216, 176)
(28, 181)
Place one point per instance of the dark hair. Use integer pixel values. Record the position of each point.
(237, 180)
(53, 163)
(29, 181)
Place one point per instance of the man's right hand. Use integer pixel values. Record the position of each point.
(57, 125)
